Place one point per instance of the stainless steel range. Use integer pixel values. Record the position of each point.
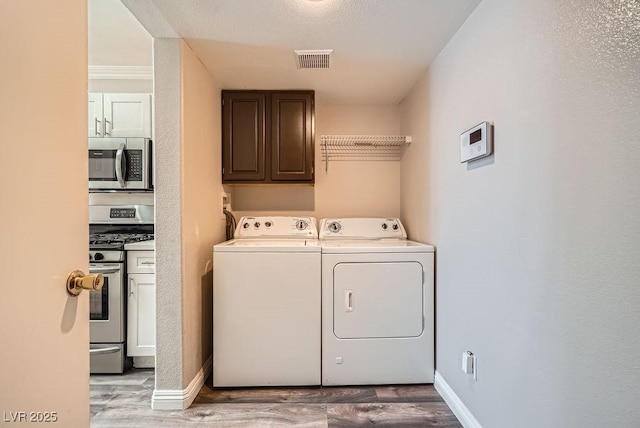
(115, 220)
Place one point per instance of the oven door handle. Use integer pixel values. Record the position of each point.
(104, 270)
(121, 165)
(109, 350)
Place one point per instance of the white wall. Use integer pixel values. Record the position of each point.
(188, 186)
(168, 209)
(348, 188)
(537, 246)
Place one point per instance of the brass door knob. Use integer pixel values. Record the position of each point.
(78, 281)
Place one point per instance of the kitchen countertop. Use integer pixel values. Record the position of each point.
(141, 245)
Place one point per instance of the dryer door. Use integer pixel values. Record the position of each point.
(377, 300)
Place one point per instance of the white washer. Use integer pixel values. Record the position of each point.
(266, 304)
(377, 303)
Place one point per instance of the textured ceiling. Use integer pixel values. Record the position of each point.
(380, 47)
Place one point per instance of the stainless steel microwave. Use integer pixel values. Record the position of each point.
(120, 164)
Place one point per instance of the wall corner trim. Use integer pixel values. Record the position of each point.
(181, 399)
(458, 408)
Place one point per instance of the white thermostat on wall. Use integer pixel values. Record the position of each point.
(476, 143)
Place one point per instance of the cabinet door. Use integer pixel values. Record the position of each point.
(96, 121)
(127, 115)
(243, 136)
(292, 134)
(141, 261)
(141, 315)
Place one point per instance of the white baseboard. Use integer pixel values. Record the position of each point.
(458, 408)
(180, 399)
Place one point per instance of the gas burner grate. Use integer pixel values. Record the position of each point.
(118, 238)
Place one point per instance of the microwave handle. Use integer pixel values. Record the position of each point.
(121, 165)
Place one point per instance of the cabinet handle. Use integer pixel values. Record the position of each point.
(97, 123)
(109, 350)
(131, 285)
(104, 270)
(106, 122)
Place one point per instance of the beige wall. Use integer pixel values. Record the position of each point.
(44, 333)
(202, 224)
(348, 188)
(537, 269)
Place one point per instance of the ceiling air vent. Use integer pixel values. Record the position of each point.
(313, 59)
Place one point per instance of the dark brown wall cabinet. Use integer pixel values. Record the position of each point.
(267, 136)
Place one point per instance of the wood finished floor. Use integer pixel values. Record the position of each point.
(125, 401)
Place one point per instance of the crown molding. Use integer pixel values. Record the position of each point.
(123, 72)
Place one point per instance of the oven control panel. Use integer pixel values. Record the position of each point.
(122, 213)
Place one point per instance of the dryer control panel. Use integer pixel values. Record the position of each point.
(362, 228)
(276, 227)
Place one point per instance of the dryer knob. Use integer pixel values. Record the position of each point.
(384, 226)
(334, 227)
(301, 225)
(268, 223)
(256, 224)
(395, 227)
(245, 226)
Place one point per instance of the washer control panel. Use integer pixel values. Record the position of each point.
(361, 228)
(276, 227)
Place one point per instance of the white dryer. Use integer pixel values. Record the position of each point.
(266, 304)
(377, 303)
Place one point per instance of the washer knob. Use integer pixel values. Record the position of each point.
(384, 226)
(245, 226)
(301, 225)
(98, 256)
(395, 227)
(268, 223)
(334, 227)
(256, 224)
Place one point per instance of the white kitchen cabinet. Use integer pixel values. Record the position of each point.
(119, 115)
(141, 312)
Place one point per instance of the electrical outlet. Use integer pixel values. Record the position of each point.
(226, 204)
(469, 364)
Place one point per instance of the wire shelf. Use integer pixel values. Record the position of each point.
(362, 147)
